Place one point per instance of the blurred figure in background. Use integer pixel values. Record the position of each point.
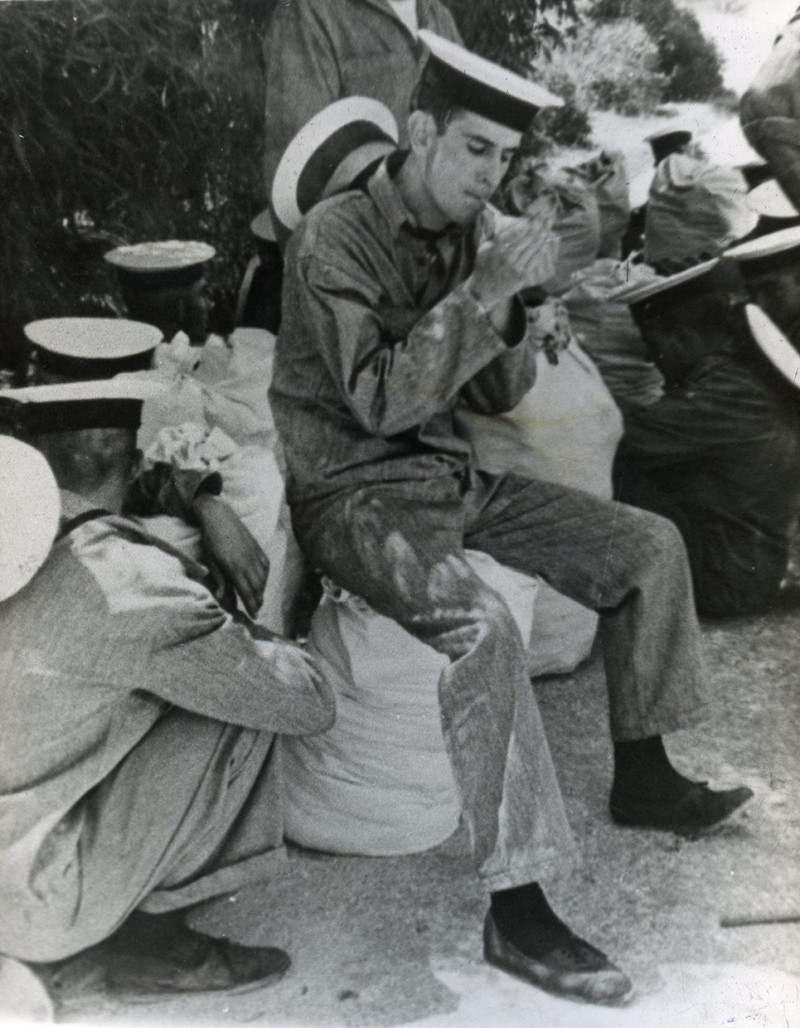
(770, 110)
(719, 454)
(319, 51)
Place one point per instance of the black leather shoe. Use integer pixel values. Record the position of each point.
(573, 970)
(699, 808)
(192, 963)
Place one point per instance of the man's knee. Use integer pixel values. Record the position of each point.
(652, 540)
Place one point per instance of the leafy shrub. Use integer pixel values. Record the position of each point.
(612, 66)
(565, 126)
(512, 32)
(121, 122)
(516, 34)
(691, 62)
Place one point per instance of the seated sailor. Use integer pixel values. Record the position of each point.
(719, 453)
(140, 718)
(399, 300)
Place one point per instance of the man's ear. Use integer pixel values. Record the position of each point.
(422, 130)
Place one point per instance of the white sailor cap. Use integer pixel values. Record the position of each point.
(30, 507)
(160, 263)
(777, 248)
(769, 339)
(770, 201)
(774, 344)
(328, 154)
(639, 291)
(72, 406)
(483, 87)
(91, 347)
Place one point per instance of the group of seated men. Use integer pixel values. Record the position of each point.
(142, 715)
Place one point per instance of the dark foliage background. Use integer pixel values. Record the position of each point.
(125, 120)
(691, 63)
(122, 121)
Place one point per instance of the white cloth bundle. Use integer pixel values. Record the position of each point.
(379, 782)
(695, 209)
(564, 430)
(216, 415)
(607, 332)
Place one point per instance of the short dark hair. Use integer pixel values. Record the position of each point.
(84, 459)
(431, 97)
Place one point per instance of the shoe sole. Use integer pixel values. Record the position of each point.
(128, 994)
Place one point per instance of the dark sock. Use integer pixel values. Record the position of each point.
(525, 918)
(642, 768)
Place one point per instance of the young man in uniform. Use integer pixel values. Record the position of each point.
(400, 301)
(139, 719)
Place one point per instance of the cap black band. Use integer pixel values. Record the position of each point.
(326, 159)
(87, 368)
(28, 417)
(160, 278)
(752, 266)
(724, 279)
(480, 98)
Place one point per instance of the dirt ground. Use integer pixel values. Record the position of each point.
(381, 943)
(396, 941)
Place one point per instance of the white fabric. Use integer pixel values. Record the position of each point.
(221, 389)
(564, 430)
(695, 208)
(607, 332)
(29, 513)
(406, 11)
(379, 782)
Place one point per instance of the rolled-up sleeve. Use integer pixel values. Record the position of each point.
(163, 489)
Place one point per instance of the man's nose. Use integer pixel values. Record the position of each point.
(492, 172)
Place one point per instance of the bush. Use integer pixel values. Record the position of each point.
(691, 63)
(515, 33)
(121, 122)
(569, 125)
(612, 66)
(511, 32)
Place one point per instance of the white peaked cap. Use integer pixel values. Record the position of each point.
(484, 87)
(30, 507)
(328, 153)
(774, 344)
(92, 347)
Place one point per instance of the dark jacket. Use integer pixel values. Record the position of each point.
(720, 456)
(380, 340)
(770, 110)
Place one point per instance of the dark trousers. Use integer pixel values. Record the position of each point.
(400, 546)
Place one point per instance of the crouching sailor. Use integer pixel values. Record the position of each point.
(139, 720)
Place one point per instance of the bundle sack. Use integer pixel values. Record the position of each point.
(379, 782)
(607, 332)
(219, 392)
(696, 209)
(565, 430)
